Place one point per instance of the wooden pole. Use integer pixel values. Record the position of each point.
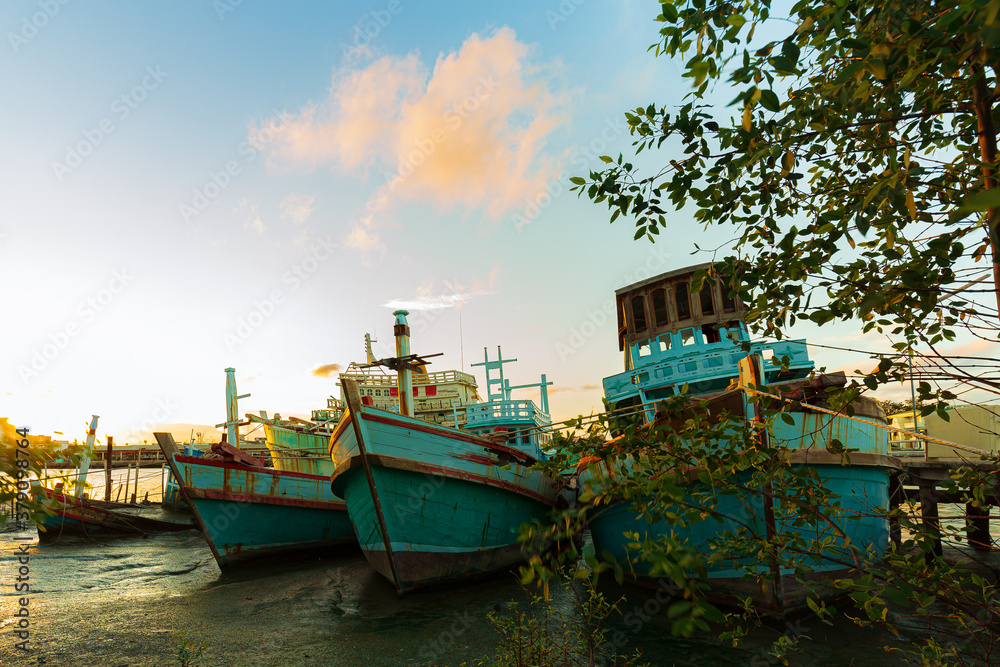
(978, 523)
(895, 500)
(128, 478)
(107, 469)
(135, 491)
(353, 396)
(930, 517)
(163, 473)
(750, 376)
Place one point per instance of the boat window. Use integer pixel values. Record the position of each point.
(732, 331)
(728, 304)
(638, 313)
(664, 342)
(707, 307)
(688, 337)
(711, 333)
(683, 303)
(644, 349)
(660, 315)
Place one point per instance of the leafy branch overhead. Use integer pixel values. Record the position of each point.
(859, 170)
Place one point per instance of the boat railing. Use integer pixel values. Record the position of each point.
(485, 414)
(440, 377)
(705, 362)
(322, 416)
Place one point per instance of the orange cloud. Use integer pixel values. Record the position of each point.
(469, 133)
(326, 370)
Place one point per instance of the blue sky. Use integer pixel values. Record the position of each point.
(195, 185)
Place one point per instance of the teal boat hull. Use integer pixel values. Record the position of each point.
(858, 488)
(451, 509)
(249, 513)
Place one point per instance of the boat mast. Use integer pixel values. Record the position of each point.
(401, 330)
(232, 422)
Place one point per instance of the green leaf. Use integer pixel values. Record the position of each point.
(736, 20)
(769, 100)
(578, 180)
(981, 201)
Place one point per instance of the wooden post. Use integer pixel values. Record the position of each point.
(353, 396)
(135, 491)
(163, 474)
(750, 376)
(107, 469)
(895, 500)
(128, 478)
(929, 516)
(978, 523)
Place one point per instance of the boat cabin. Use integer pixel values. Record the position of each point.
(674, 335)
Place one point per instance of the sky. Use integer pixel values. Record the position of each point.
(189, 186)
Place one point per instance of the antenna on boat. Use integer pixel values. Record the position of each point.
(461, 341)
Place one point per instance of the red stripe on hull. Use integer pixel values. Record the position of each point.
(265, 500)
(407, 464)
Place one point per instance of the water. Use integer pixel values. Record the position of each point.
(123, 601)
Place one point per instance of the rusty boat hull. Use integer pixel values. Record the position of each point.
(80, 516)
(248, 513)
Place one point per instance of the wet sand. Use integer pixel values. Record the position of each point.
(120, 602)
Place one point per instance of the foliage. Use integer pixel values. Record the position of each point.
(21, 462)
(701, 484)
(540, 635)
(855, 176)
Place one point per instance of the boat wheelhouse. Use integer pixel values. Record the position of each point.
(672, 335)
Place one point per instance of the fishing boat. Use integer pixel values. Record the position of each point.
(302, 445)
(73, 513)
(431, 503)
(676, 341)
(247, 511)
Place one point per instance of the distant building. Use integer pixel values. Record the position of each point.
(970, 425)
(901, 444)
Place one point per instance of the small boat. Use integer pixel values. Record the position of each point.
(76, 514)
(431, 503)
(677, 341)
(247, 511)
(81, 516)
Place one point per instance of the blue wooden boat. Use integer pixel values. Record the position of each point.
(674, 338)
(247, 511)
(431, 503)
